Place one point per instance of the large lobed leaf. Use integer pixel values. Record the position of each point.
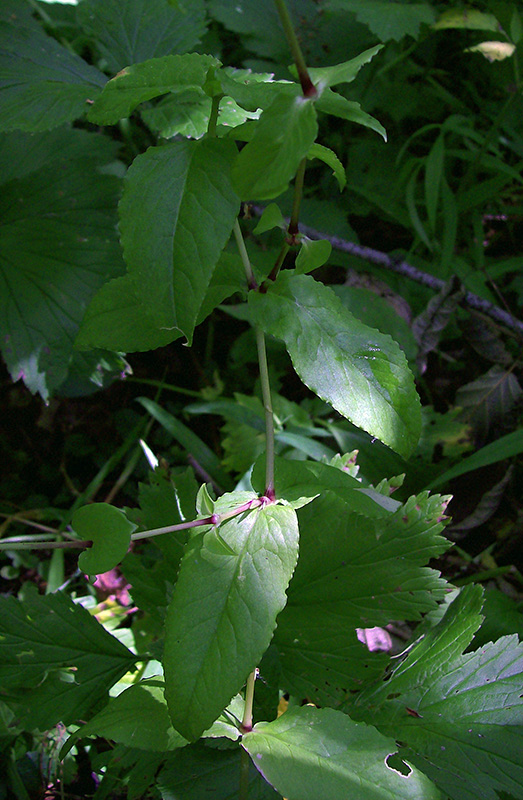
(230, 588)
(362, 373)
(310, 753)
(58, 244)
(42, 84)
(355, 571)
(56, 661)
(137, 30)
(459, 717)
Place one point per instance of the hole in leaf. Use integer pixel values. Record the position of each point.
(395, 762)
(393, 695)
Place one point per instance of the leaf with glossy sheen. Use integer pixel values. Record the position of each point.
(362, 373)
(310, 753)
(460, 716)
(230, 588)
(42, 85)
(140, 82)
(177, 213)
(137, 30)
(283, 137)
(110, 532)
(354, 572)
(58, 245)
(59, 658)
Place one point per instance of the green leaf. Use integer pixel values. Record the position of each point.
(24, 153)
(223, 612)
(466, 729)
(202, 773)
(387, 19)
(270, 218)
(137, 30)
(177, 213)
(42, 85)
(330, 158)
(117, 319)
(387, 313)
(110, 532)
(138, 717)
(56, 660)
(296, 479)
(468, 18)
(335, 104)
(192, 443)
(283, 137)
(354, 571)
(140, 82)
(310, 752)
(58, 244)
(359, 371)
(340, 73)
(434, 168)
(312, 254)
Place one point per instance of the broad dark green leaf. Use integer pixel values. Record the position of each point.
(137, 30)
(466, 726)
(138, 717)
(388, 19)
(58, 245)
(56, 661)
(42, 85)
(354, 572)
(230, 588)
(117, 319)
(24, 153)
(310, 753)
(362, 373)
(140, 82)
(202, 773)
(177, 213)
(283, 137)
(110, 532)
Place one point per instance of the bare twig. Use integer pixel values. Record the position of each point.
(402, 267)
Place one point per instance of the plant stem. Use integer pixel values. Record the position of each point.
(245, 762)
(251, 280)
(213, 116)
(307, 85)
(292, 228)
(246, 725)
(264, 371)
(16, 543)
(269, 418)
(296, 203)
